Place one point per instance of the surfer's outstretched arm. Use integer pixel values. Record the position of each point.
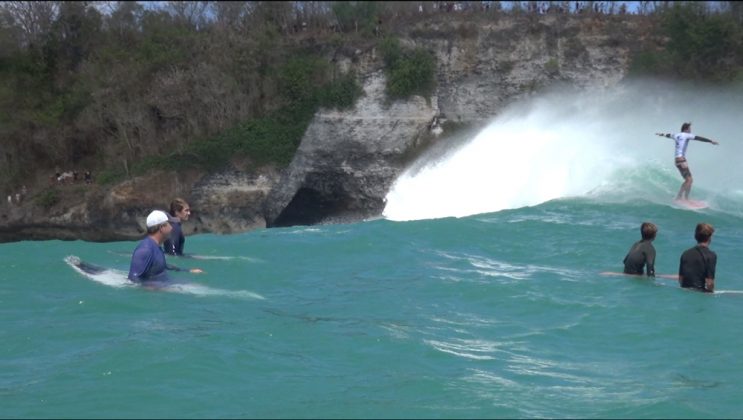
(172, 267)
(705, 140)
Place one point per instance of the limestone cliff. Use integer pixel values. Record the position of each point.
(222, 203)
(347, 160)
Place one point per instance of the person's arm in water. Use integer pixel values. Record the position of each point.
(174, 268)
(650, 262)
(709, 281)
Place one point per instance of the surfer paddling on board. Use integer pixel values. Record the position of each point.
(642, 252)
(148, 260)
(682, 142)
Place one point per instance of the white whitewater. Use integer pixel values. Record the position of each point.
(573, 144)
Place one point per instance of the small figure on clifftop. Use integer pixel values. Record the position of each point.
(682, 142)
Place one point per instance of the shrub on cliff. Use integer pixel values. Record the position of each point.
(342, 93)
(273, 138)
(300, 77)
(48, 199)
(701, 45)
(410, 72)
(356, 15)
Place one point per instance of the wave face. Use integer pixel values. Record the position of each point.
(567, 144)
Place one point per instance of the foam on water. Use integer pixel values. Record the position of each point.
(117, 278)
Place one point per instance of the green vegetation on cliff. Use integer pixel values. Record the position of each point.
(135, 87)
(409, 72)
(701, 45)
(121, 88)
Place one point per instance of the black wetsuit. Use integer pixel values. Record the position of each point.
(642, 253)
(174, 244)
(696, 265)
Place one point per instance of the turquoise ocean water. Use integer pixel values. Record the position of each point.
(494, 315)
(500, 312)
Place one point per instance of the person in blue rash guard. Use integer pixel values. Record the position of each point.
(148, 260)
(180, 211)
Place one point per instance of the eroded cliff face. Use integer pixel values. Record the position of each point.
(222, 203)
(485, 65)
(348, 160)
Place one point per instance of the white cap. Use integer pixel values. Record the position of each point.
(157, 217)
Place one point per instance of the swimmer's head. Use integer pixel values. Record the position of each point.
(648, 230)
(703, 232)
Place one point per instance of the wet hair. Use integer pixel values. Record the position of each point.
(703, 232)
(177, 205)
(685, 126)
(648, 230)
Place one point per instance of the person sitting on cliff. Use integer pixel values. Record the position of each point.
(148, 260)
(180, 211)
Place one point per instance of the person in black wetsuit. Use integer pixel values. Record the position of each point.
(642, 252)
(697, 265)
(180, 211)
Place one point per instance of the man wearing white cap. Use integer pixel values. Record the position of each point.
(148, 259)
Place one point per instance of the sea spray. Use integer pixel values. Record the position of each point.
(570, 143)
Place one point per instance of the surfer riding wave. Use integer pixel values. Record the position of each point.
(682, 142)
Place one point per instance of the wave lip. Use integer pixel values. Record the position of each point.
(507, 165)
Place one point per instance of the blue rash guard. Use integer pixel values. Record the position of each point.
(174, 245)
(148, 262)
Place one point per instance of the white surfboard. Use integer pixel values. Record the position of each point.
(195, 256)
(691, 204)
(118, 278)
(673, 277)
